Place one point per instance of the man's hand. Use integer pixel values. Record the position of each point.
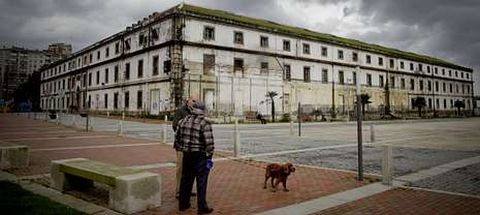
(209, 164)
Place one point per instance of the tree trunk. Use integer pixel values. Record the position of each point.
(273, 110)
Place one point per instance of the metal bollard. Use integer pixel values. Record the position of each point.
(236, 140)
(291, 128)
(86, 123)
(90, 124)
(57, 117)
(108, 114)
(120, 124)
(387, 165)
(120, 127)
(164, 130)
(372, 134)
(74, 123)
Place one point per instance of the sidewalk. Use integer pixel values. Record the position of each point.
(235, 186)
(404, 201)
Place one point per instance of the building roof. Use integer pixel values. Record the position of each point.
(312, 35)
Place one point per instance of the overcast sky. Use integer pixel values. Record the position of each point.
(447, 29)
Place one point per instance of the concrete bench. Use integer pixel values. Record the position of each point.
(130, 190)
(252, 117)
(13, 156)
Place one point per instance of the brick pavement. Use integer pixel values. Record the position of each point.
(235, 186)
(404, 201)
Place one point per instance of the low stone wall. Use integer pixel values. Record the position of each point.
(13, 156)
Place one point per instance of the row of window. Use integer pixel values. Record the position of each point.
(140, 72)
(209, 34)
(437, 103)
(89, 58)
(60, 102)
(86, 60)
(392, 83)
(64, 102)
(209, 62)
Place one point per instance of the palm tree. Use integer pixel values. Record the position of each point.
(271, 95)
(459, 104)
(364, 99)
(419, 103)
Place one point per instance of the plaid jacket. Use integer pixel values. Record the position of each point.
(194, 133)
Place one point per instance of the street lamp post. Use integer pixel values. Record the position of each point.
(349, 82)
(300, 117)
(434, 83)
(359, 127)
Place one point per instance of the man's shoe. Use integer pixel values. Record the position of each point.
(205, 211)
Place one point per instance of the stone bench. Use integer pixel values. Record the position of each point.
(13, 156)
(130, 190)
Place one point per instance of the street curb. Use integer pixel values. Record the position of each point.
(333, 200)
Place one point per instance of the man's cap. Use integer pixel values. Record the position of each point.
(199, 107)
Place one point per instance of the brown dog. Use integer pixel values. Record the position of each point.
(279, 172)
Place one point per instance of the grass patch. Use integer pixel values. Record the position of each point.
(15, 200)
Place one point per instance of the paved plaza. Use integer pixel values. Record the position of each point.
(325, 155)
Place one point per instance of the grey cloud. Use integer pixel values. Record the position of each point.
(35, 24)
(443, 28)
(449, 26)
(321, 2)
(265, 9)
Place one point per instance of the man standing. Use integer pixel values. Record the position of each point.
(181, 113)
(194, 138)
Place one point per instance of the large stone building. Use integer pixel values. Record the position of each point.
(231, 62)
(18, 64)
(59, 50)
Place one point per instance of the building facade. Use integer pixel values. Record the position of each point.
(18, 64)
(59, 50)
(232, 62)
